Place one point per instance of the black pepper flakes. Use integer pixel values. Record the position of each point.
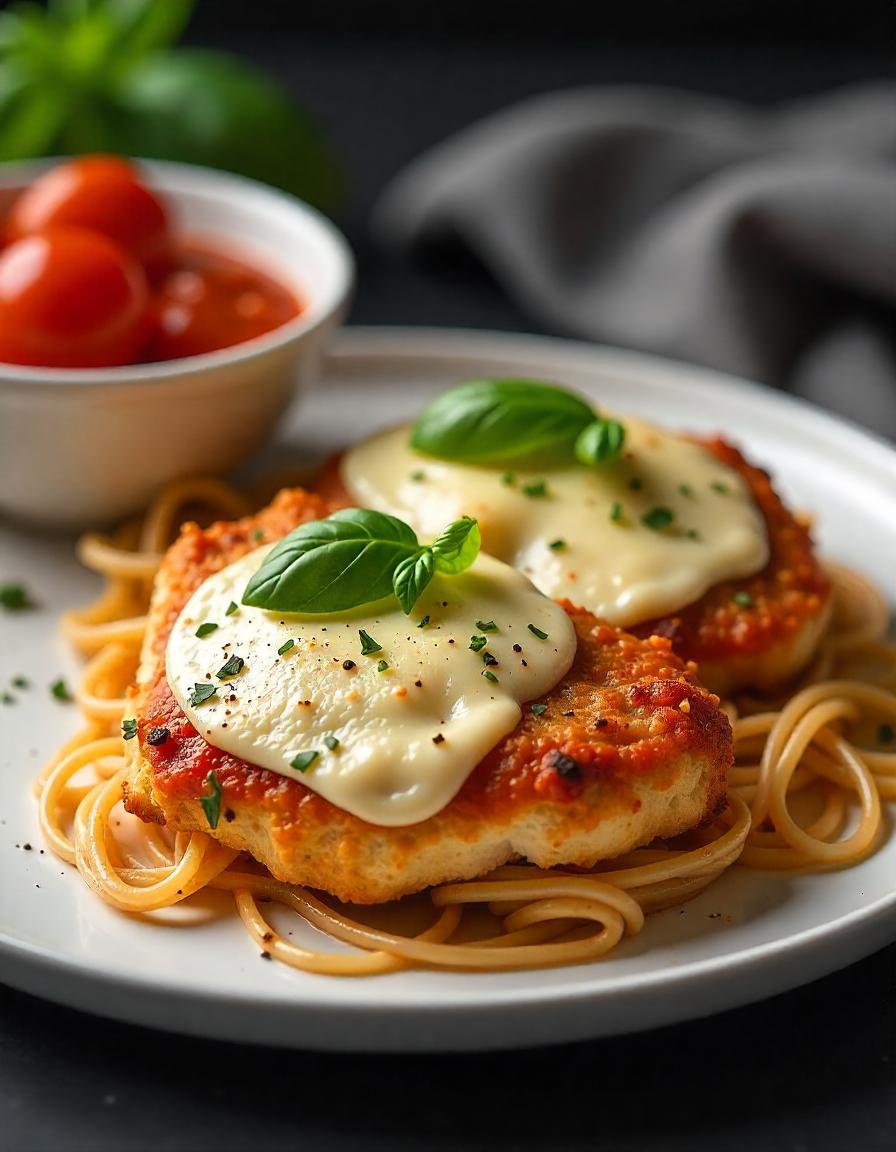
(157, 736)
(564, 766)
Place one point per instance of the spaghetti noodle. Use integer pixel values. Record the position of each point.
(803, 769)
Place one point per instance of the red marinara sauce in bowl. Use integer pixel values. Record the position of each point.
(155, 320)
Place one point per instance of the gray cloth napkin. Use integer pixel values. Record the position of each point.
(761, 243)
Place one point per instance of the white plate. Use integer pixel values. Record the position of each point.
(749, 936)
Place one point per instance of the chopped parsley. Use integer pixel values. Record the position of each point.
(382, 665)
(21, 682)
(508, 479)
(332, 742)
(744, 599)
(258, 534)
(59, 690)
(486, 626)
(423, 622)
(537, 632)
(128, 729)
(206, 629)
(488, 658)
(368, 644)
(303, 761)
(14, 597)
(489, 675)
(477, 643)
(557, 545)
(233, 667)
(418, 475)
(7, 698)
(685, 490)
(284, 648)
(616, 512)
(534, 489)
(539, 709)
(718, 486)
(231, 608)
(211, 805)
(886, 734)
(658, 518)
(692, 534)
(201, 693)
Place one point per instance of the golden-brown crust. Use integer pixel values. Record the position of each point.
(755, 633)
(629, 748)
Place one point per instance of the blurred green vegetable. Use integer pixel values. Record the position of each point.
(104, 76)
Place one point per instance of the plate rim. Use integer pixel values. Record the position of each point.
(850, 936)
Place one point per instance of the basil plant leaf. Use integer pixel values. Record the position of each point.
(457, 547)
(333, 565)
(600, 443)
(490, 421)
(412, 577)
(206, 107)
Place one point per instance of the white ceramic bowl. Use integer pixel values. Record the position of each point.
(83, 446)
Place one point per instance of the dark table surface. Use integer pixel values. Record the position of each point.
(811, 1071)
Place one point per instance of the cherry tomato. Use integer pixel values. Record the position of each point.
(70, 298)
(213, 302)
(102, 193)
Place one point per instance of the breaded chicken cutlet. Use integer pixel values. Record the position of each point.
(628, 748)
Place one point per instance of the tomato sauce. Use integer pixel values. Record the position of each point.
(93, 275)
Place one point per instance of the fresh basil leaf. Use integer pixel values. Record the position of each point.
(600, 443)
(489, 421)
(32, 113)
(457, 547)
(332, 565)
(411, 578)
(210, 108)
(143, 26)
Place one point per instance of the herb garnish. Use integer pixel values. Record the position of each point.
(744, 599)
(539, 709)
(557, 545)
(658, 518)
(382, 665)
(21, 682)
(332, 742)
(488, 658)
(616, 512)
(206, 629)
(128, 729)
(303, 761)
(494, 421)
(231, 608)
(201, 693)
(477, 643)
(7, 698)
(508, 479)
(423, 622)
(486, 626)
(284, 648)
(14, 598)
(718, 486)
(685, 490)
(233, 667)
(368, 644)
(537, 632)
(59, 690)
(534, 489)
(635, 484)
(211, 805)
(354, 557)
(489, 675)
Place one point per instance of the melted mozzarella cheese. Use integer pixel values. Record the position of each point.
(409, 734)
(606, 556)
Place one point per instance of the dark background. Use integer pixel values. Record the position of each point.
(812, 1071)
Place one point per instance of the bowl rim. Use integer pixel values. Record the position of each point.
(322, 310)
